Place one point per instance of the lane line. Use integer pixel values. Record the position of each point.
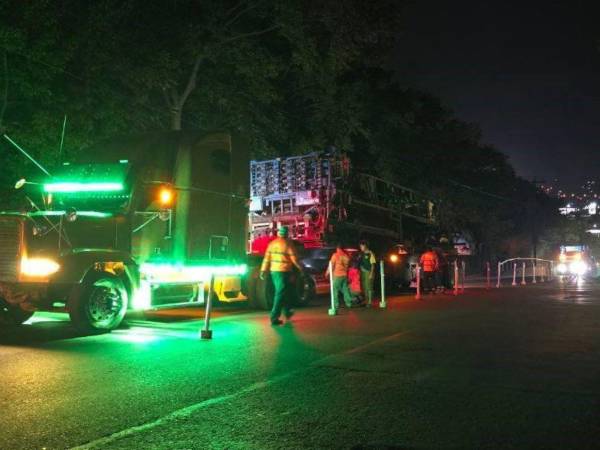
(189, 410)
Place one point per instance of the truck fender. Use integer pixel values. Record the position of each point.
(78, 266)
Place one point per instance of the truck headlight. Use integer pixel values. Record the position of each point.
(38, 267)
(561, 268)
(578, 268)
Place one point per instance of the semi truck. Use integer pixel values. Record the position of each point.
(145, 223)
(167, 219)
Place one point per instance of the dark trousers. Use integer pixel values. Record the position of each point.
(429, 282)
(281, 299)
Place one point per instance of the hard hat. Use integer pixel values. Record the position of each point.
(283, 231)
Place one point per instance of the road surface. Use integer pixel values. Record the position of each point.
(506, 368)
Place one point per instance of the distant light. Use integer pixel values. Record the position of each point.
(578, 268)
(592, 208)
(394, 258)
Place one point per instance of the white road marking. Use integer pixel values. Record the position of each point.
(189, 410)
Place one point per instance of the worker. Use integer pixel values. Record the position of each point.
(430, 265)
(367, 271)
(280, 260)
(339, 264)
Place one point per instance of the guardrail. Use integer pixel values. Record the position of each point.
(542, 269)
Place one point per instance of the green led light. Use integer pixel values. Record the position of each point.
(67, 187)
(153, 274)
(174, 273)
(98, 214)
(142, 296)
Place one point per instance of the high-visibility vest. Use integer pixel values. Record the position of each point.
(429, 261)
(340, 263)
(280, 256)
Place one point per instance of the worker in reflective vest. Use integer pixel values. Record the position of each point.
(430, 263)
(367, 264)
(340, 263)
(280, 260)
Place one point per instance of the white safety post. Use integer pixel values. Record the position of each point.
(523, 277)
(488, 282)
(382, 303)
(456, 278)
(514, 283)
(542, 272)
(333, 310)
(418, 275)
(464, 275)
(499, 274)
(206, 332)
(533, 266)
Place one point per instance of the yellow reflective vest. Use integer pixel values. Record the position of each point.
(280, 256)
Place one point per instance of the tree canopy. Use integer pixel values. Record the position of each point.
(292, 76)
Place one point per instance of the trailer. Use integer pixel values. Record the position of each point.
(323, 199)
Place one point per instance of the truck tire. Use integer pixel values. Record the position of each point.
(263, 298)
(302, 292)
(11, 315)
(98, 304)
(249, 290)
(306, 290)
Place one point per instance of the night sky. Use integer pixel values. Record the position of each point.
(526, 72)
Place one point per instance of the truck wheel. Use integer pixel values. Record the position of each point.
(263, 298)
(12, 315)
(306, 290)
(98, 304)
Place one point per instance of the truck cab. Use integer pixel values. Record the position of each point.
(150, 225)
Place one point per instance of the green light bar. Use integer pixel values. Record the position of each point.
(82, 187)
(173, 273)
(166, 273)
(56, 213)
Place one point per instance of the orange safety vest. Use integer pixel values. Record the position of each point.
(279, 257)
(429, 261)
(340, 262)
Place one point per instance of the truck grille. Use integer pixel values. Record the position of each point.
(11, 233)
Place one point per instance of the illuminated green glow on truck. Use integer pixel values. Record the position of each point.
(75, 187)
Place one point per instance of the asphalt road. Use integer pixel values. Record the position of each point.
(507, 368)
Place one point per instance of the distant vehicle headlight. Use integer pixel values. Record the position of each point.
(578, 268)
(562, 268)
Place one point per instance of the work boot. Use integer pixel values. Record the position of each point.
(276, 322)
(289, 314)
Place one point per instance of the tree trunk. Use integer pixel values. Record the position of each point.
(176, 115)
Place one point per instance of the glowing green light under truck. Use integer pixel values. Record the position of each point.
(145, 223)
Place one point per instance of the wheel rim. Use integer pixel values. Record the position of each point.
(303, 290)
(105, 303)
